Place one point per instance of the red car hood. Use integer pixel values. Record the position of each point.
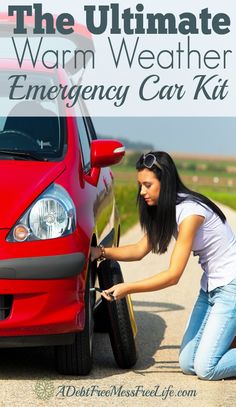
(21, 182)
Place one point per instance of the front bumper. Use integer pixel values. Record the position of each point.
(42, 307)
(41, 295)
(42, 284)
(43, 267)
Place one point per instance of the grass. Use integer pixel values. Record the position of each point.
(126, 202)
(226, 198)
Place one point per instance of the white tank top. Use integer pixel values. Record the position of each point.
(214, 243)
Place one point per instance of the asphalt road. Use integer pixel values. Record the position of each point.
(28, 378)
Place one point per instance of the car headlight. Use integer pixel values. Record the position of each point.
(52, 215)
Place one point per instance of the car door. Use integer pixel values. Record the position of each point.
(101, 180)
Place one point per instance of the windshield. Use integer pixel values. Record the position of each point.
(41, 135)
(31, 126)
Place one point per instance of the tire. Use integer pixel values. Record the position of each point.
(76, 359)
(101, 323)
(122, 327)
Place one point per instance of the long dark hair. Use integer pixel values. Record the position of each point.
(159, 221)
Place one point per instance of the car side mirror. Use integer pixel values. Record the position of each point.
(106, 152)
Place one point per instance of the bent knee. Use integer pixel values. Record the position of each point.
(185, 366)
(203, 371)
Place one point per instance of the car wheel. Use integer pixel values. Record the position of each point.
(121, 323)
(76, 359)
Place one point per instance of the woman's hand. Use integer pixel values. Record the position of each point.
(117, 292)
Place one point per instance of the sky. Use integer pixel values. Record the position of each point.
(194, 135)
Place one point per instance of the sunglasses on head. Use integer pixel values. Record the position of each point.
(149, 160)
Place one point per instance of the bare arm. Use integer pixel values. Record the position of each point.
(124, 253)
(178, 261)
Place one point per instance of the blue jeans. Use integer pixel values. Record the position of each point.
(205, 349)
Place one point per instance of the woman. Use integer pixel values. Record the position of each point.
(168, 208)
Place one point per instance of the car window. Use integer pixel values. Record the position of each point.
(85, 141)
(88, 120)
(86, 133)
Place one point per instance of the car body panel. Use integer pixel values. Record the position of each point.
(22, 183)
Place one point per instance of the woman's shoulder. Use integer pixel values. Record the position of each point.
(186, 206)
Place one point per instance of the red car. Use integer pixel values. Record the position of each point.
(57, 201)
